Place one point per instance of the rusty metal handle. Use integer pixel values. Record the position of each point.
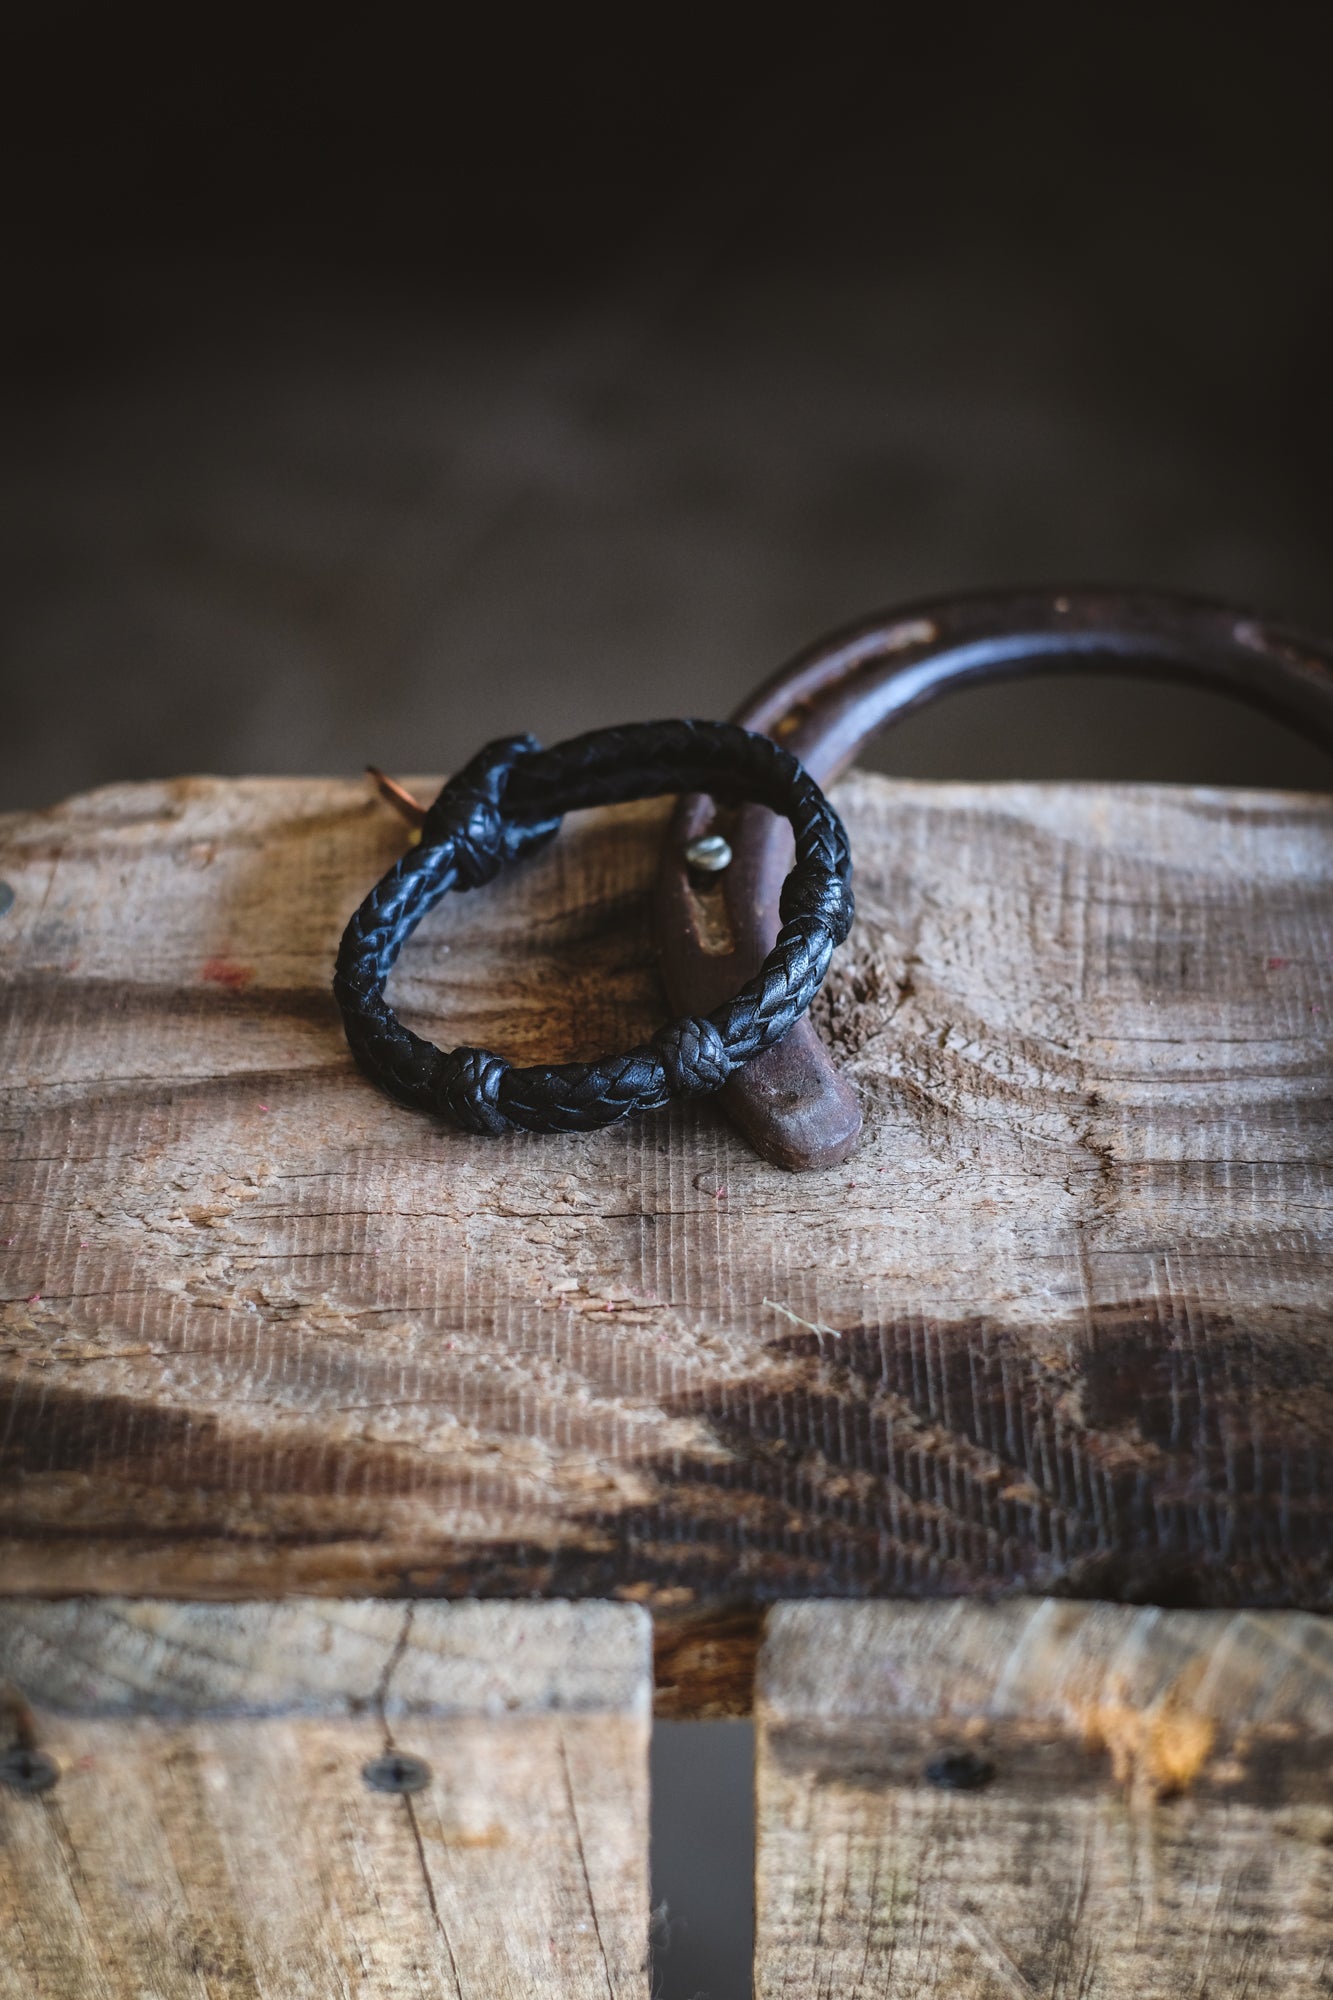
(713, 931)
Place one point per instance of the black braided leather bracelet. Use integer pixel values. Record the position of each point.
(508, 802)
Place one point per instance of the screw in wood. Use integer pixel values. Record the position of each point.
(710, 853)
(959, 1771)
(396, 1772)
(29, 1771)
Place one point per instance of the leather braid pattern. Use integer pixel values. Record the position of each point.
(507, 802)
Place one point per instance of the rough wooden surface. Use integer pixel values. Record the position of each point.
(1157, 1820)
(1062, 1324)
(211, 1836)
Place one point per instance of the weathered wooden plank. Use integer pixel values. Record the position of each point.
(212, 1833)
(1063, 1323)
(991, 1801)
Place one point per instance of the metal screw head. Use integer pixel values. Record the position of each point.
(28, 1770)
(959, 1771)
(710, 852)
(396, 1772)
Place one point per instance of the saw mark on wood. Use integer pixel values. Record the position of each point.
(1151, 1457)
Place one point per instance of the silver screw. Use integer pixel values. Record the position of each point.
(710, 853)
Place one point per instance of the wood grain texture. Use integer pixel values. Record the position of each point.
(221, 1841)
(1062, 1324)
(1155, 1821)
(119, 1656)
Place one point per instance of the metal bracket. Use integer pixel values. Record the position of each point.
(714, 927)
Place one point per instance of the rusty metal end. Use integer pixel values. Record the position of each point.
(793, 1106)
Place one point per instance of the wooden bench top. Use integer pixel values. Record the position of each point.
(1062, 1324)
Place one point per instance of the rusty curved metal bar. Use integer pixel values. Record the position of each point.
(713, 931)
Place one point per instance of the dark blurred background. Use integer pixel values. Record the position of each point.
(374, 390)
(376, 385)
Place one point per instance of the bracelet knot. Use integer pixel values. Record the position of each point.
(468, 815)
(467, 1088)
(693, 1055)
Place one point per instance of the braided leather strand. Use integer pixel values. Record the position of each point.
(507, 802)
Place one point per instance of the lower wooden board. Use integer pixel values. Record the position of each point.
(212, 1836)
(1074, 1802)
